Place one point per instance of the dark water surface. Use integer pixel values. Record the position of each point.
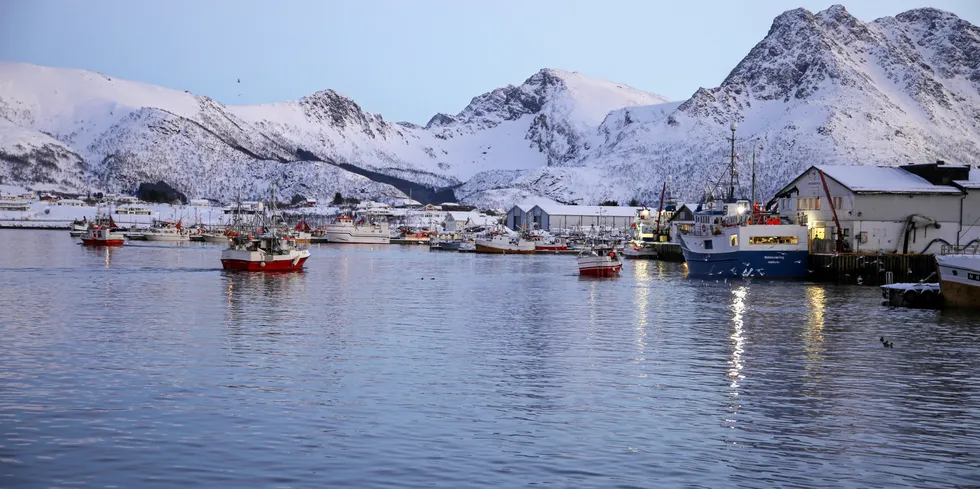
(148, 366)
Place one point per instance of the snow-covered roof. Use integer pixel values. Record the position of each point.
(973, 182)
(588, 210)
(882, 179)
(405, 202)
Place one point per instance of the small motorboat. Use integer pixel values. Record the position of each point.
(599, 262)
(504, 244)
(78, 228)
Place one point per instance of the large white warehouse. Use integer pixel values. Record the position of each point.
(908, 209)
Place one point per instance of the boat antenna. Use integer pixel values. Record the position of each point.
(732, 170)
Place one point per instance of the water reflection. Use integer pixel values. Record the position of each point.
(813, 339)
(737, 347)
(641, 304)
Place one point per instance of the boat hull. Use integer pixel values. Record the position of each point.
(599, 266)
(723, 260)
(445, 246)
(167, 237)
(744, 264)
(210, 238)
(609, 271)
(257, 261)
(355, 238)
(639, 253)
(103, 242)
(263, 266)
(545, 248)
(482, 248)
(959, 280)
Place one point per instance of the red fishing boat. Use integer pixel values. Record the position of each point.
(100, 233)
(264, 248)
(599, 262)
(267, 252)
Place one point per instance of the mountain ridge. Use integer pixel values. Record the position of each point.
(820, 87)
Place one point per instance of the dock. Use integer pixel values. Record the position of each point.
(668, 252)
(871, 269)
(915, 295)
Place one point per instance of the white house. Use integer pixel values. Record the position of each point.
(908, 209)
(71, 203)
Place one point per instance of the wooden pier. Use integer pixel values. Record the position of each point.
(871, 269)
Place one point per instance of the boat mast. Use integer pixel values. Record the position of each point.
(661, 210)
(732, 170)
(753, 178)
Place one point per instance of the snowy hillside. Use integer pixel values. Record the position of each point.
(818, 88)
(79, 129)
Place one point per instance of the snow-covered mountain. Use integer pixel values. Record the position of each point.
(77, 129)
(819, 88)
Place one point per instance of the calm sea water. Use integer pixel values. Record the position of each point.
(148, 366)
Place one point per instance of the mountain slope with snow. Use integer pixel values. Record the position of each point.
(113, 134)
(819, 88)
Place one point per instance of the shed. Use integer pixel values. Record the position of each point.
(552, 217)
(880, 209)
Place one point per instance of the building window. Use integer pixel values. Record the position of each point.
(799, 204)
(708, 245)
(838, 202)
(734, 240)
(817, 206)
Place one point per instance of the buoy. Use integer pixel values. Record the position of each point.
(261, 264)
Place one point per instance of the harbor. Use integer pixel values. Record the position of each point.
(462, 245)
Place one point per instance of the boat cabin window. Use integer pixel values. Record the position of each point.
(708, 245)
(734, 240)
(764, 240)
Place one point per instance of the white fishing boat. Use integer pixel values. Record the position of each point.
(361, 231)
(215, 237)
(78, 228)
(545, 241)
(959, 277)
(165, 231)
(505, 244)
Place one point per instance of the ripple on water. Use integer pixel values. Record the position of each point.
(150, 367)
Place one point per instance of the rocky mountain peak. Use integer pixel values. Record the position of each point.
(328, 106)
(953, 42)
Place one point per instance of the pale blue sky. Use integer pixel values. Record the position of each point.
(404, 59)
